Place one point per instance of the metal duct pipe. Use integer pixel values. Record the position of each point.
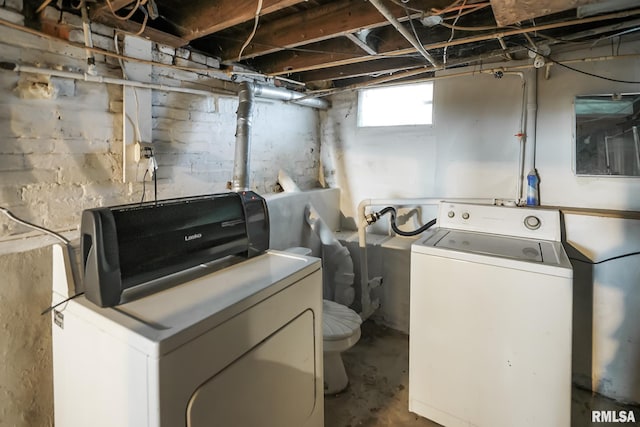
(240, 181)
(281, 94)
(405, 33)
(246, 96)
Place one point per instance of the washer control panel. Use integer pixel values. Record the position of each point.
(503, 220)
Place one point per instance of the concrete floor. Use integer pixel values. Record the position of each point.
(377, 395)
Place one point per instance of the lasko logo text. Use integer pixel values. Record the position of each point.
(192, 237)
(613, 417)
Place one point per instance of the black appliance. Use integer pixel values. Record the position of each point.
(130, 245)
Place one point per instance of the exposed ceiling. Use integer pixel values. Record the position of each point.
(337, 43)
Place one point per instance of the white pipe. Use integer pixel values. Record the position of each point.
(532, 115)
(366, 284)
(108, 80)
(88, 41)
(260, 90)
(522, 137)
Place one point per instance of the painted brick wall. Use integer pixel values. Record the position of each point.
(61, 140)
(61, 152)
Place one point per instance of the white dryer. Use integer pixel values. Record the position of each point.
(239, 346)
(490, 313)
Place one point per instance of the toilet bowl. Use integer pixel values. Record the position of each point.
(340, 332)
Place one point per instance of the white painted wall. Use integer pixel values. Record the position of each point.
(62, 153)
(559, 185)
(472, 151)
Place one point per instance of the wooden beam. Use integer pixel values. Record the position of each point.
(321, 23)
(388, 49)
(313, 56)
(373, 68)
(150, 33)
(338, 53)
(509, 12)
(195, 19)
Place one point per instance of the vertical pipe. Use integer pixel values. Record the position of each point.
(88, 42)
(532, 116)
(636, 141)
(240, 180)
(606, 155)
(521, 142)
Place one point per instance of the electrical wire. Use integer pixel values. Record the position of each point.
(413, 28)
(144, 185)
(455, 3)
(51, 233)
(253, 32)
(453, 7)
(127, 17)
(143, 26)
(466, 12)
(44, 4)
(61, 302)
(605, 260)
(66, 242)
(444, 52)
(548, 58)
(459, 28)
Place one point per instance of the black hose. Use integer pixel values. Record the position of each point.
(394, 227)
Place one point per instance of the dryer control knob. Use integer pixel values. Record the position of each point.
(465, 215)
(532, 222)
(451, 214)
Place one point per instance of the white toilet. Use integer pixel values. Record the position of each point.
(340, 332)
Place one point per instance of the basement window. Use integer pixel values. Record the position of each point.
(402, 105)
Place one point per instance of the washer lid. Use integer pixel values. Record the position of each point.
(488, 244)
(338, 321)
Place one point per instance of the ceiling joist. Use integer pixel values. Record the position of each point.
(326, 43)
(338, 18)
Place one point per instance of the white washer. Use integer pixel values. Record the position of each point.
(490, 313)
(241, 346)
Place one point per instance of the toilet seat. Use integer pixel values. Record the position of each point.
(339, 322)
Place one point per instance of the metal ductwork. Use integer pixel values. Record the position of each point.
(286, 95)
(246, 94)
